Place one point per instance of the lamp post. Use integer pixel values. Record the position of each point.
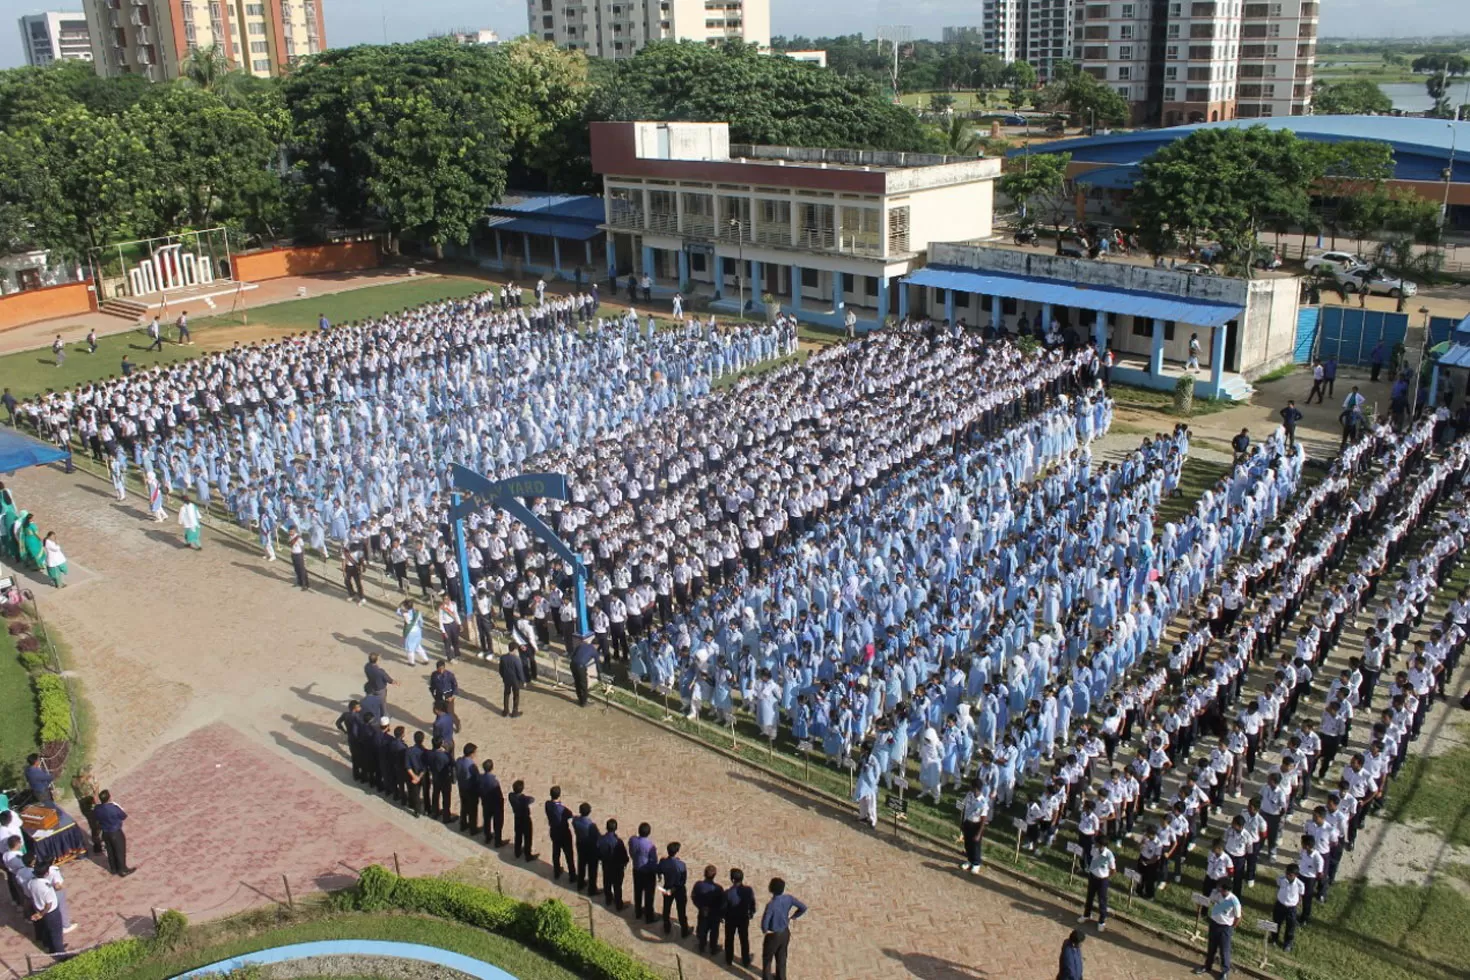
(739, 227)
(1449, 175)
(1419, 371)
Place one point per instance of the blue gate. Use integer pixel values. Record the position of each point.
(1307, 320)
(1350, 335)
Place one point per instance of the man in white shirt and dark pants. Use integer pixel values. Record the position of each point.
(1289, 892)
(1224, 914)
(1099, 875)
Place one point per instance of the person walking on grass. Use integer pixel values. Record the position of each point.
(189, 521)
(155, 334)
(59, 350)
(183, 325)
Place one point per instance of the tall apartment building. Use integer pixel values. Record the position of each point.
(1035, 31)
(151, 37)
(1191, 61)
(964, 35)
(620, 28)
(56, 35)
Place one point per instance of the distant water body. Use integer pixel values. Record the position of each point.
(1412, 97)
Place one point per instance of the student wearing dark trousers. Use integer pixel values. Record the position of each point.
(110, 819)
(520, 810)
(709, 908)
(416, 769)
(492, 805)
(1289, 893)
(559, 825)
(612, 858)
(739, 910)
(467, 776)
(781, 910)
(673, 885)
(584, 831)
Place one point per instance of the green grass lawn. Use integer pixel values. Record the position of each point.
(17, 714)
(1431, 790)
(32, 372)
(1149, 399)
(963, 101)
(214, 943)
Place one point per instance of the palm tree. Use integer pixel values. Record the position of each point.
(209, 69)
(960, 138)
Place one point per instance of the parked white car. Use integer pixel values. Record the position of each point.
(1375, 282)
(1334, 262)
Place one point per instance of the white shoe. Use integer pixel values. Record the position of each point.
(1084, 918)
(965, 865)
(1102, 927)
(974, 869)
(71, 927)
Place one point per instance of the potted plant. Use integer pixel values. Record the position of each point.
(772, 305)
(1184, 395)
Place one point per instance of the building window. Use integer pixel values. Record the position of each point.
(255, 28)
(259, 47)
(255, 10)
(696, 261)
(1170, 95)
(870, 285)
(847, 282)
(809, 277)
(1126, 32)
(261, 64)
(1171, 73)
(551, 36)
(1125, 73)
(1173, 30)
(1172, 52)
(1175, 9)
(547, 23)
(1128, 11)
(1125, 53)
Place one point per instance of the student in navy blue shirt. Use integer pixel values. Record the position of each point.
(444, 725)
(441, 778)
(467, 776)
(644, 855)
(38, 779)
(416, 768)
(520, 810)
(739, 910)
(558, 824)
(709, 907)
(444, 686)
(492, 805)
(110, 819)
(780, 912)
(584, 829)
(612, 857)
(1069, 965)
(675, 878)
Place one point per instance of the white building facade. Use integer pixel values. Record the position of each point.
(55, 36)
(823, 232)
(621, 28)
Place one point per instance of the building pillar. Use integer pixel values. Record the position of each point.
(611, 245)
(949, 305)
(1433, 387)
(526, 246)
(795, 288)
(1100, 331)
(1045, 323)
(683, 268)
(1217, 359)
(556, 254)
(903, 299)
(997, 312)
(839, 295)
(1156, 355)
(648, 261)
(883, 300)
(719, 276)
(499, 249)
(587, 247)
(757, 280)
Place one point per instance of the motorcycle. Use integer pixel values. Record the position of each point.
(1025, 236)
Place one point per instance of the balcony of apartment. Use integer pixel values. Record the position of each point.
(1204, 9)
(1203, 31)
(1099, 33)
(114, 19)
(143, 35)
(1311, 10)
(625, 212)
(1097, 11)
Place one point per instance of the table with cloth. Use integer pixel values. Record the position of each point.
(61, 843)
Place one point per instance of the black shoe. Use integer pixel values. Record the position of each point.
(684, 932)
(125, 872)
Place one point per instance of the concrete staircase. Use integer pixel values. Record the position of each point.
(126, 309)
(1236, 387)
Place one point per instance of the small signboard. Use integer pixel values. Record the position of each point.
(896, 804)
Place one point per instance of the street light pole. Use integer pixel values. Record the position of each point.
(1419, 371)
(1449, 176)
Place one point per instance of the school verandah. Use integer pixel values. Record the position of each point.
(1157, 326)
(550, 236)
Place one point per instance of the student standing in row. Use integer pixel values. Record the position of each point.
(781, 911)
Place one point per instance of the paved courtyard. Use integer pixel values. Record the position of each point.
(214, 686)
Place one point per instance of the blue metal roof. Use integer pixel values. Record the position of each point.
(576, 231)
(1110, 177)
(565, 207)
(18, 451)
(1421, 146)
(1201, 313)
(1457, 356)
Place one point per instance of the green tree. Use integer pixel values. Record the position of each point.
(30, 95)
(960, 137)
(1356, 97)
(212, 163)
(78, 182)
(764, 99)
(1224, 183)
(1037, 186)
(209, 69)
(1020, 77)
(543, 98)
(1346, 172)
(407, 134)
(941, 102)
(1085, 98)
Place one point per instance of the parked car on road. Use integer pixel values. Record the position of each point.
(1334, 262)
(1196, 268)
(1375, 282)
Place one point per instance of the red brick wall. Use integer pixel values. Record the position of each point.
(31, 305)
(280, 262)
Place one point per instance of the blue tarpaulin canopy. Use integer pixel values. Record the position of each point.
(544, 226)
(571, 216)
(18, 451)
(1200, 313)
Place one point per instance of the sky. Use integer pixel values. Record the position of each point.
(372, 21)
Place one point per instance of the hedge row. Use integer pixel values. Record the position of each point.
(53, 708)
(546, 927)
(115, 959)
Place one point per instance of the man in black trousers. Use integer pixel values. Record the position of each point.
(513, 676)
(492, 805)
(584, 829)
(582, 659)
(612, 856)
(110, 819)
(559, 825)
(467, 777)
(674, 878)
(739, 910)
(709, 908)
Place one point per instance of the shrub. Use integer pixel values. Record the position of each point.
(102, 962)
(171, 928)
(1184, 394)
(552, 920)
(18, 627)
(27, 643)
(374, 889)
(33, 662)
(54, 708)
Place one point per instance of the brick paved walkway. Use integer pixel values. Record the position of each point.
(214, 821)
(169, 642)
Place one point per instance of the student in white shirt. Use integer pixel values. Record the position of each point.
(1290, 891)
(1099, 874)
